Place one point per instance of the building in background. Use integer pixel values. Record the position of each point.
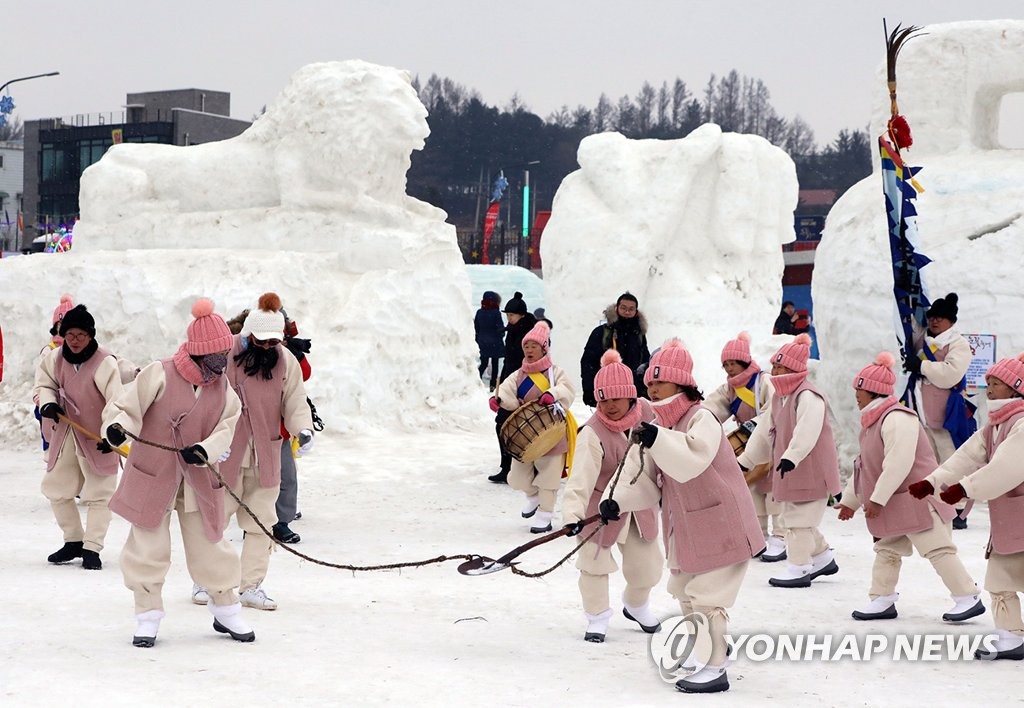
(58, 150)
(12, 156)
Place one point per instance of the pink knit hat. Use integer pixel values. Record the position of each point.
(795, 354)
(671, 363)
(614, 379)
(66, 303)
(1010, 371)
(541, 334)
(207, 333)
(737, 349)
(877, 377)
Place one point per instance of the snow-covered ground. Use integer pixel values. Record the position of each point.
(430, 636)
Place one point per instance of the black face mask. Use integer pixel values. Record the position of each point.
(82, 356)
(257, 360)
(212, 365)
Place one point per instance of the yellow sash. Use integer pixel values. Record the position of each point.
(571, 429)
(747, 396)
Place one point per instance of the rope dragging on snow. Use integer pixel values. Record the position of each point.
(270, 535)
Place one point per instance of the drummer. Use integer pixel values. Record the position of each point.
(539, 380)
(744, 397)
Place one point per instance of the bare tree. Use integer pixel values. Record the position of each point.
(680, 95)
(709, 100)
(562, 117)
(516, 104)
(645, 109)
(14, 130)
(626, 116)
(664, 101)
(583, 119)
(799, 141)
(728, 109)
(604, 114)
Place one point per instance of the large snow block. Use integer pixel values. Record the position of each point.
(969, 216)
(692, 227)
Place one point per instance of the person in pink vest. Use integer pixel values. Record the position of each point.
(894, 454)
(708, 519)
(988, 467)
(743, 398)
(75, 382)
(537, 380)
(601, 444)
(63, 307)
(183, 402)
(268, 381)
(945, 357)
(795, 437)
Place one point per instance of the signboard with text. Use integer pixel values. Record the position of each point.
(983, 349)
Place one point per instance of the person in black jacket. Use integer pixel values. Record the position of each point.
(624, 330)
(520, 321)
(490, 334)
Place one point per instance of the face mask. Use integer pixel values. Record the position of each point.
(212, 365)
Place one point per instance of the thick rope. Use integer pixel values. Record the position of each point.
(270, 535)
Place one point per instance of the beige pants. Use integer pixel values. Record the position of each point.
(147, 556)
(72, 476)
(936, 545)
(1004, 578)
(710, 594)
(256, 545)
(803, 540)
(942, 443)
(642, 563)
(541, 478)
(766, 506)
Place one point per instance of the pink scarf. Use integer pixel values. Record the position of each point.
(669, 411)
(542, 364)
(188, 369)
(870, 417)
(624, 423)
(740, 380)
(785, 384)
(998, 417)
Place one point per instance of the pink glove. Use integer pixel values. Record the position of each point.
(493, 403)
(546, 399)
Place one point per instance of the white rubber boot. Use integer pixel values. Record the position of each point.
(597, 626)
(227, 619)
(146, 626)
(710, 679)
(880, 608)
(643, 616)
(541, 521)
(964, 608)
(531, 506)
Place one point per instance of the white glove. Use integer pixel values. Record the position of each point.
(305, 441)
(225, 455)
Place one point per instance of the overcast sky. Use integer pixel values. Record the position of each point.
(818, 58)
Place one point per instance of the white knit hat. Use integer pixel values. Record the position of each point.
(267, 320)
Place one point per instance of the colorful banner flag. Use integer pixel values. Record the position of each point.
(489, 220)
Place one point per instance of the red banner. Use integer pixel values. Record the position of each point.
(489, 221)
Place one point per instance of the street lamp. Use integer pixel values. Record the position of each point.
(526, 198)
(26, 78)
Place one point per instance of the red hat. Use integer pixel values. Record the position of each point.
(794, 355)
(671, 363)
(207, 333)
(1010, 371)
(737, 349)
(613, 379)
(877, 377)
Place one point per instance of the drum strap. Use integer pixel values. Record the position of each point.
(748, 394)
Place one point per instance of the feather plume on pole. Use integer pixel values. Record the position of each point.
(898, 128)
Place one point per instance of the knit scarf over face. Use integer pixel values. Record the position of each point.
(189, 370)
(997, 415)
(669, 411)
(876, 409)
(626, 422)
(740, 380)
(785, 384)
(542, 364)
(82, 356)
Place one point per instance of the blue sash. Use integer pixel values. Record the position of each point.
(959, 420)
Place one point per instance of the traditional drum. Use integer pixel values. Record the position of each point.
(738, 439)
(532, 430)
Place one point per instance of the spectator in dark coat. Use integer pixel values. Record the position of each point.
(490, 334)
(625, 330)
(785, 323)
(520, 322)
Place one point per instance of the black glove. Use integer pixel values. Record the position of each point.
(573, 529)
(115, 435)
(52, 410)
(194, 455)
(784, 467)
(104, 447)
(299, 347)
(645, 434)
(912, 365)
(589, 400)
(609, 509)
